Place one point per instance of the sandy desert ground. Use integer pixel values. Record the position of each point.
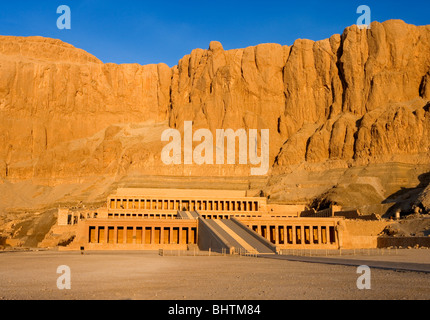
(147, 276)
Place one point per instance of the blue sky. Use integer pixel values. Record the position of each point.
(148, 32)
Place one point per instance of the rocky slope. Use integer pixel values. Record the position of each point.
(345, 114)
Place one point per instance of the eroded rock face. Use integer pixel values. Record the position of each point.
(52, 94)
(351, 100)
(424, 199)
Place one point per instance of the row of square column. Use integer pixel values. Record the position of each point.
(139, 235)
(188, 205)
(297, 234)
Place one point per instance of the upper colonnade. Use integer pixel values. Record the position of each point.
(184, 200)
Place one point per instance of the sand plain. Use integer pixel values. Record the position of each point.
(148, 276)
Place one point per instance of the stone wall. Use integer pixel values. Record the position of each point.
(405, 242)
(358, 234)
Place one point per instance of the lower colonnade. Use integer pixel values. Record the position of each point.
(296, 232)
(139, 234)
(178, 234)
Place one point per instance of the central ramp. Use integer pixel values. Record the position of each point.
(241, 237)
(188, 215)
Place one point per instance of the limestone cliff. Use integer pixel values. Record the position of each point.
(356, 97)
(354, 100)
(55, 98)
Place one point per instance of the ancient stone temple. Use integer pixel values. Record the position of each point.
(227, 221)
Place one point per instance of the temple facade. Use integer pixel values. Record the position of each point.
(228, 220)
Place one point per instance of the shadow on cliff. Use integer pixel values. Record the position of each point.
(406, 199)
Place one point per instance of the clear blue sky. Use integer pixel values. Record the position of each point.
(148, 32)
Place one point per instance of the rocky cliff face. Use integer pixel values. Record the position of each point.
(55, 99)
(354, 100)
(354, 97)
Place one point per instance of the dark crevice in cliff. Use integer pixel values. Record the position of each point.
(341, 71)
(358, 126)
(427, 107)
(279, 125)
(308, 143)
(423, 85)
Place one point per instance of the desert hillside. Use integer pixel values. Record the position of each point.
(349, 120)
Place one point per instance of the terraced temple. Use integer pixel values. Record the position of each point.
(223, 221)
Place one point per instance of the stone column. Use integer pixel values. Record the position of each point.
(319, 235)
(97, 234)
(119, 241)
(162, 235)
(106, 235)
(294, 235)
(285, 235)
(171, 235)
(302, 234)
(327, 234)
(115, 235)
